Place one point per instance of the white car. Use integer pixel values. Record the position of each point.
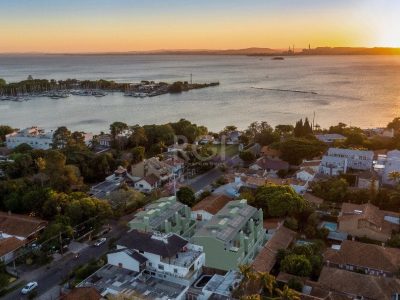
(30, 286)
(100, 242)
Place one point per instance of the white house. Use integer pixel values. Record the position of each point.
(165, 256)
(392, 164)
(356, 159)
(333, 166)
(147, 184)
(306, 174)
(34, 136)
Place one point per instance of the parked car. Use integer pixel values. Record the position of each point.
(100, 242)
(29, 287)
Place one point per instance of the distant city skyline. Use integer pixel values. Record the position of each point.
(129, 25)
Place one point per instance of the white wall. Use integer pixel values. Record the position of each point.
(123, 258)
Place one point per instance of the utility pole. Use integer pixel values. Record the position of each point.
(191, 78)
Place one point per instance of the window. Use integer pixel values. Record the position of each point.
(150, 264)
(175, 270)
(161, 267)
(140, 251)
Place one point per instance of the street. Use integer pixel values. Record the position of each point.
(55, 273)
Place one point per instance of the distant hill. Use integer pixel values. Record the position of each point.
(351, 51)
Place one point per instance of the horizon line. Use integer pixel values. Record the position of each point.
(162, 50)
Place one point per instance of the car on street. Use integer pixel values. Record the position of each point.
(100, 242)
(29, 287)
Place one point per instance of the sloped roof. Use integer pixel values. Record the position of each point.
(365, 255)
(20, 225)
(132, 253)
(273, 164)
(313, 199)
(310, 163)
(168, 246)
(372, 214)
(266, 258)
(151, 179)
(9, 244)
(212, 203)
(355, 284)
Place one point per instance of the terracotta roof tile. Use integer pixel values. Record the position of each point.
(365, 255)
(9, 244)
(212, 203)
(20, 225)
(266, 258)
(356, 285)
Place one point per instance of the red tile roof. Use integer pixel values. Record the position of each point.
(212, 203)
(9, 244)
(20, 225)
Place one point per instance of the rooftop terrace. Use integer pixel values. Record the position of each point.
(113, 280)
(231, 219)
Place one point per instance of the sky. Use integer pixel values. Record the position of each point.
(129, 25)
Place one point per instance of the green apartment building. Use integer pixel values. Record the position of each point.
(232, 237)
(165, 215)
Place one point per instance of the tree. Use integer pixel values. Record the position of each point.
(138, 137)
(287, 294)
(296, 264)
(294, 150)
(186, 196)
(61, 138)
(278, 200)
(284, 129)
(333, 189)
(395, 124)
(268, 281)
(247, 156)
(2, 82)
(176, 87)
(123, 199)
(138, 154)
(4, 129)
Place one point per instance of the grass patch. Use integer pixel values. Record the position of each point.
(230, 150)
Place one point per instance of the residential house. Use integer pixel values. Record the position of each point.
(342, 284)
(165, 256)
(367, 180)
(232, 237)
(367, 220)
(165, 215)
(298, 185)
(356, 159)
(34, 136)
(330, 138)
(333, 166)
(364, 258)
(391, 164)
(270, 153)
(233, 137)
(310, 164)
(206, 208)
(104, 140)
(205, 139)
(114, 281)
(306, 174)
(220, 286)
(270, 165)
(154, 166)
(281, 239)
(8, 248)
(111, 183)
(22, 227)
(147, 184)
(313, 200)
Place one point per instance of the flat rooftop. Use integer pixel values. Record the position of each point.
(114, 280)
(159, 211)
(227, 223)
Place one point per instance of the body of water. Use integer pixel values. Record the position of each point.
(357, 90)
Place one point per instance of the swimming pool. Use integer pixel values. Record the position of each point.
(331, 226)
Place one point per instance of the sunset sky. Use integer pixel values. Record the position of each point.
(125, 25)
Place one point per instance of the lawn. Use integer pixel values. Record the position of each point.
(230, 150)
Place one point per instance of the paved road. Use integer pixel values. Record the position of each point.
(204, 180)
(57, 272)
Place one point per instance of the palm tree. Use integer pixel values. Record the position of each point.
(287, 294)
(394, 176)
(246, 271)
(268, 281)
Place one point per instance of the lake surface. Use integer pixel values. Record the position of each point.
(358, 90)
